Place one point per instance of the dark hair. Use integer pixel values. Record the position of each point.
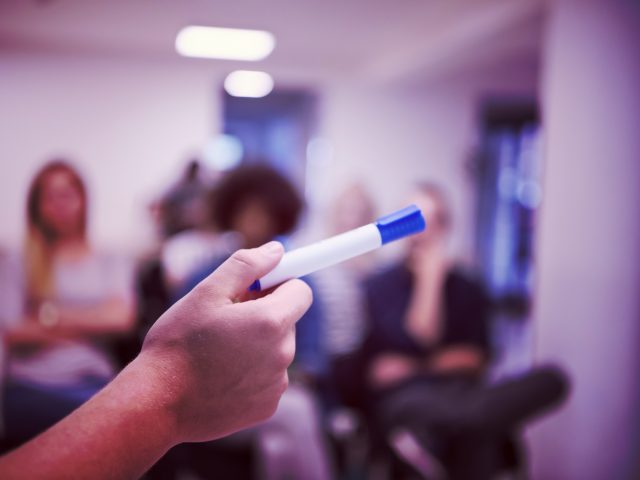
(257, 182)
(192, 170)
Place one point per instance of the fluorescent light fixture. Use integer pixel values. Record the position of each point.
(248, 83)
(224, 43)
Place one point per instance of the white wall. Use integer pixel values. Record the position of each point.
(390, 138)
(587, 309)
(128, 125)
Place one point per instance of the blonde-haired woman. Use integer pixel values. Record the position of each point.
(73, 300)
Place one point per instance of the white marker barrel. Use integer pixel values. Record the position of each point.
(323, 254)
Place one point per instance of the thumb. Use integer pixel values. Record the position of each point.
(232, 279)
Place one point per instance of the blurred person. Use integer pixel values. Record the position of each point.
(259, 204)
(168, 395)
(427, 352)
(340, 289)
(187, 240)
(191, 238)
(68, 300)
(185, 205)
(11, 306)
(185, 252)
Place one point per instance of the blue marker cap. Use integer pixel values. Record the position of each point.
(400, 224)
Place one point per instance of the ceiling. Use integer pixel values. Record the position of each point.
(377, 40)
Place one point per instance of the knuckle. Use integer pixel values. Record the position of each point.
(268, 332)
(271, 322)
(290, 355)
(264, 412)
(243, 258)
(284, 384)
(271, 405)
(272, 395)
(285, 358)
(289, 349)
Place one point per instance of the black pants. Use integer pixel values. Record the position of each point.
(465, 422)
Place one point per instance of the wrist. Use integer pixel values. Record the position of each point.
(153, 399)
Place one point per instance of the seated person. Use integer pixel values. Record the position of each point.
(426, 353)
(259, 204)
(340, 288)
(68, 300)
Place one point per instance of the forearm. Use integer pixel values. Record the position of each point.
(210, 366)
(422, 321)
(119, 433)
(29, 332)
(111, 317)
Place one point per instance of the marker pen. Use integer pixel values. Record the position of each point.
(305, 260)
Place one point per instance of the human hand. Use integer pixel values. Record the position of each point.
(428, 262)
(389, 369)
(221, 363)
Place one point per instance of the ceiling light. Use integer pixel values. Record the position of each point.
(247, 83)
(224, 43)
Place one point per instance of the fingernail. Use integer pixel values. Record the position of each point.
(273, 247)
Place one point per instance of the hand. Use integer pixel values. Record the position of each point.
(222, 365)
(429, 267)
(390, 369)
(457, 358)
(428, 262)
(208, 367)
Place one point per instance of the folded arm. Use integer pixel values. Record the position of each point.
(112, 317)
